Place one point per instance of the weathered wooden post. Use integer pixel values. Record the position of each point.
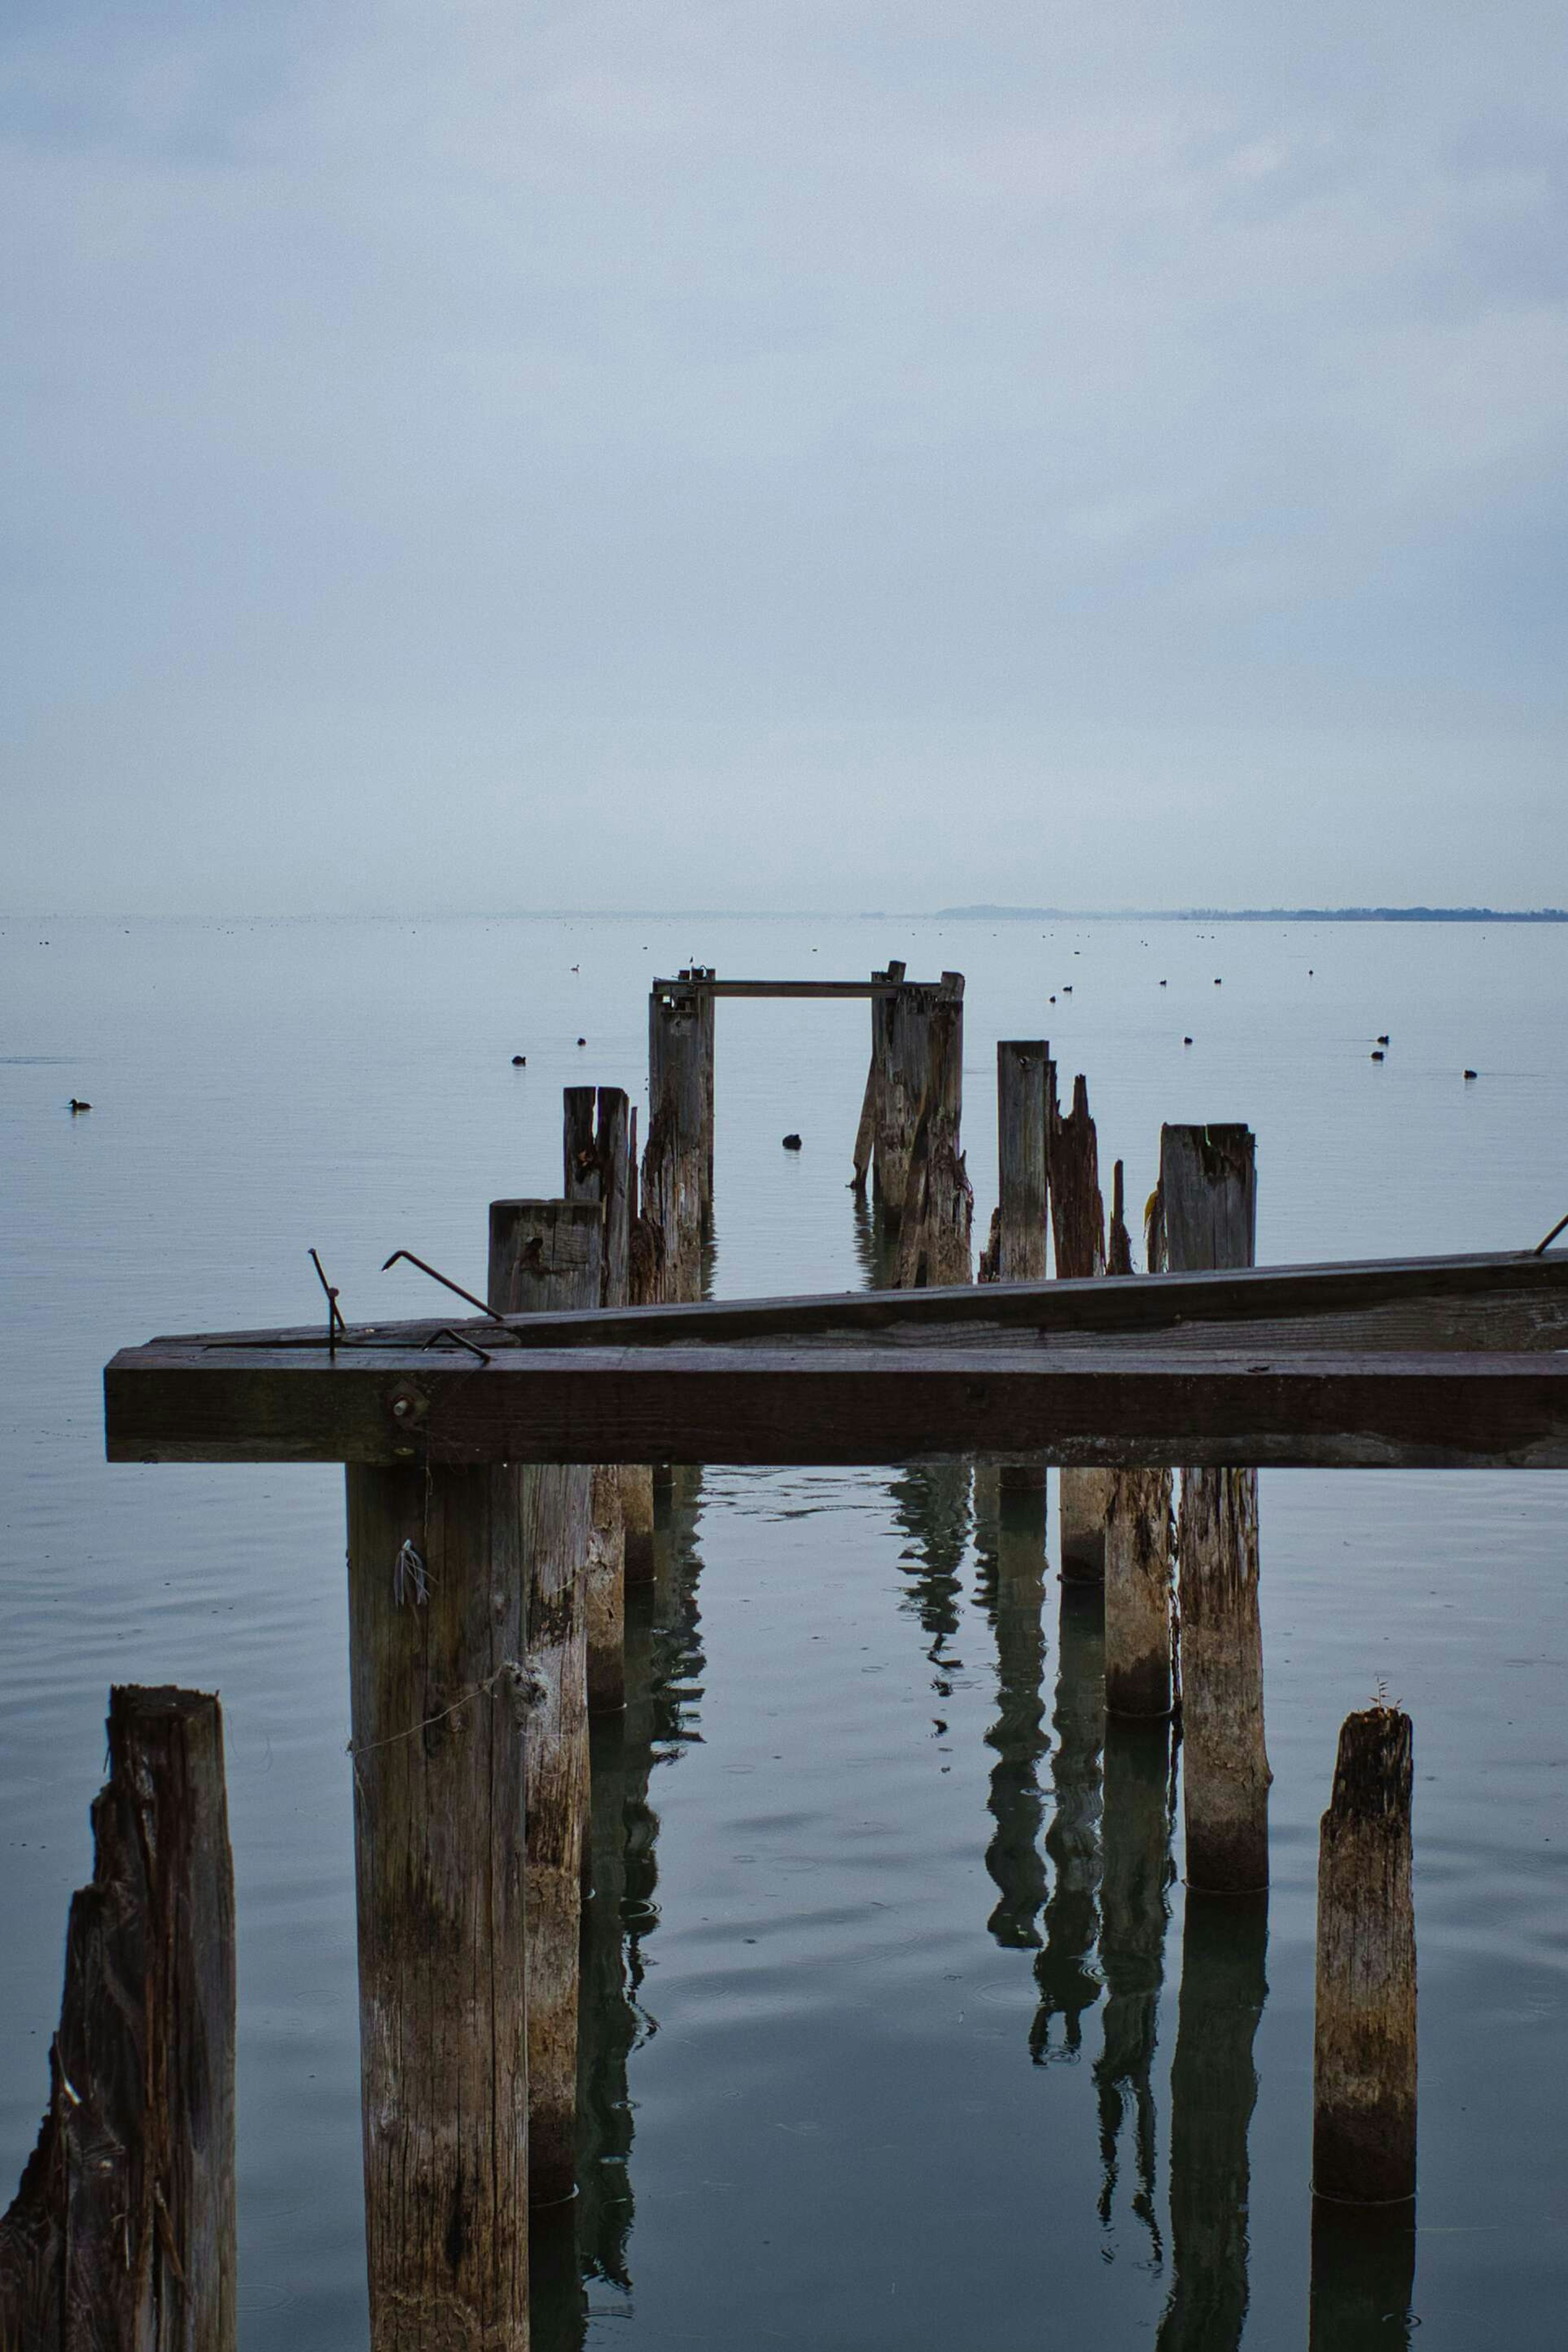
(598, 1151)
(676, 1154)
(904, 1046)
(938, 1202)
(1078, 1230)
(546, 1255)
(441, 1696)
(122, 2232)
(1363, 2067)
(1138, 1547)
(1206, 1216)
(877, 1077)
(1023, 1067)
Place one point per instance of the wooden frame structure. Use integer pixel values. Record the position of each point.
(1389, 1363)
(1418, 1362)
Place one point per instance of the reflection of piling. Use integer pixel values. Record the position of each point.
(439, 1711)
(546, 1255)
(1214, 2088)
(1010, 1539)
(1363, 2272)
(1134, 1910)
(122, 2232)
(1206, 1213)
(1078, 1231)
(1064, 1971)
(1363, 2070)
(664, 1668)
(939, 1202)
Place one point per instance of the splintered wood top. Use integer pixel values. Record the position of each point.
(1394, 1363)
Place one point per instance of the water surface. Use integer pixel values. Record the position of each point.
(900, 2032)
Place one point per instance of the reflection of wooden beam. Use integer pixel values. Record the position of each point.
(1496, 1301)
(173, 1402)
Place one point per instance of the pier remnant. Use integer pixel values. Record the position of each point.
(600, 1165)
(879, 1079)
(122, 2232)
(675, 1170)
(1137, 1551)
(1206, 1217)
(1078, 1231)
(440, 1697)
(545, 1256)
(938, 1202)
(1023, 1068)
(1363, 2063)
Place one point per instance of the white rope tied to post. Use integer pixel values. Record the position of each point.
(410, 1575)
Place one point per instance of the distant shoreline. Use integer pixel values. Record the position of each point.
(1250, 914)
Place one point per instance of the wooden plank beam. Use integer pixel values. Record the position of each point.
(1507, 1300)
(780, 1404)
(708, 985)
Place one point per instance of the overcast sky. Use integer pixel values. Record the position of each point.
(813, 454)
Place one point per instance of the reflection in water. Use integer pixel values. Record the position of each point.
(1364, 2271)
(589, 2239)
(876, 1249)
(1134, 1912)
(931, 1509)
(1214, 2087)
(1065, 1971)
(1009, 1538)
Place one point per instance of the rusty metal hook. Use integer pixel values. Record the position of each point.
(446, 1332)
(334, 1313)
(447, 1283)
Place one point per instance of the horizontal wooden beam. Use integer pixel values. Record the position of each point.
(712, 986)
(1513, 1302)
(780, 1404)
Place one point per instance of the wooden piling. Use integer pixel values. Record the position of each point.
(675, 1158)
(599, 1167)
(441, 1694)
(122, 2232)
(1022, 1133)
(938, 1202)
(1078, 1232)
(1205, 1217)
(1139, 1535)
(875, 1077)
(1363, 2069)
(900, 1031)
(546, 1255)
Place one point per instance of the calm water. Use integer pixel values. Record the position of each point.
(908, 2040)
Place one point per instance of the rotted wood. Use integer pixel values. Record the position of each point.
(1078, 1234)
(906, 1044)
(573, 1599)
(881, 1027)
(1207, 1203)
(675, 1157)
(1022, 1138)
(121, 2235)
(1363, 2070)
(1139, 1546)
(440, 1694)
(938, 1202)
